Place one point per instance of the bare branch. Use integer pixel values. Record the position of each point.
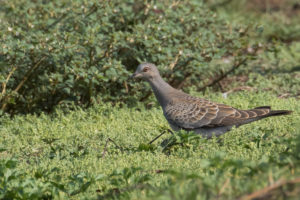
(6, 81)
(25, 78)
(223, 75)
(172, 65)
(260, 194)
(28, 73)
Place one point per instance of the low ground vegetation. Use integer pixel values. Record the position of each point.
(103, 152)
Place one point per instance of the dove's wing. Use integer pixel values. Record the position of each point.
(191, 113)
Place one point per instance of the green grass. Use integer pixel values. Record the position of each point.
(62, 154)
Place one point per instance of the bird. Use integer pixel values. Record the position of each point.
(201, 116)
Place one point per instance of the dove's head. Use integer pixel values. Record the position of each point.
(146, 71)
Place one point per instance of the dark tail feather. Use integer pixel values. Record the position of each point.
(274, 112)
(279, 112)
(261, 113)
(263, 107)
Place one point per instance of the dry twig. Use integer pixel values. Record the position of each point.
(6, 80)
(242, 88)
(172, 65)
(261, 194)
(225, 185)
(106, 144)
(25, 78)
(223, 75)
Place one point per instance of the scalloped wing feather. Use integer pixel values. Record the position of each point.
(191, 113)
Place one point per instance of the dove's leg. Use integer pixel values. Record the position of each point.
(160, 136)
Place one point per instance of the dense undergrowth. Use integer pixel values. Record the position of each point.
(56, 52)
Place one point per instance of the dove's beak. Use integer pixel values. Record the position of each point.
(135, 75)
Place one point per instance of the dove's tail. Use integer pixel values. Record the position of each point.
(260, 113)
(273, 112)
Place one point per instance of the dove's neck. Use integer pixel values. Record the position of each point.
(162, 90)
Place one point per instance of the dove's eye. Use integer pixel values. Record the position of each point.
(145, 69)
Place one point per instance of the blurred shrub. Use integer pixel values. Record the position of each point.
(42, 184)
(53, 52)
(279, 19)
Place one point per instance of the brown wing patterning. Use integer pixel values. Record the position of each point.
(192, 113)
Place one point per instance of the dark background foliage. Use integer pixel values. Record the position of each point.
(82, 52)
